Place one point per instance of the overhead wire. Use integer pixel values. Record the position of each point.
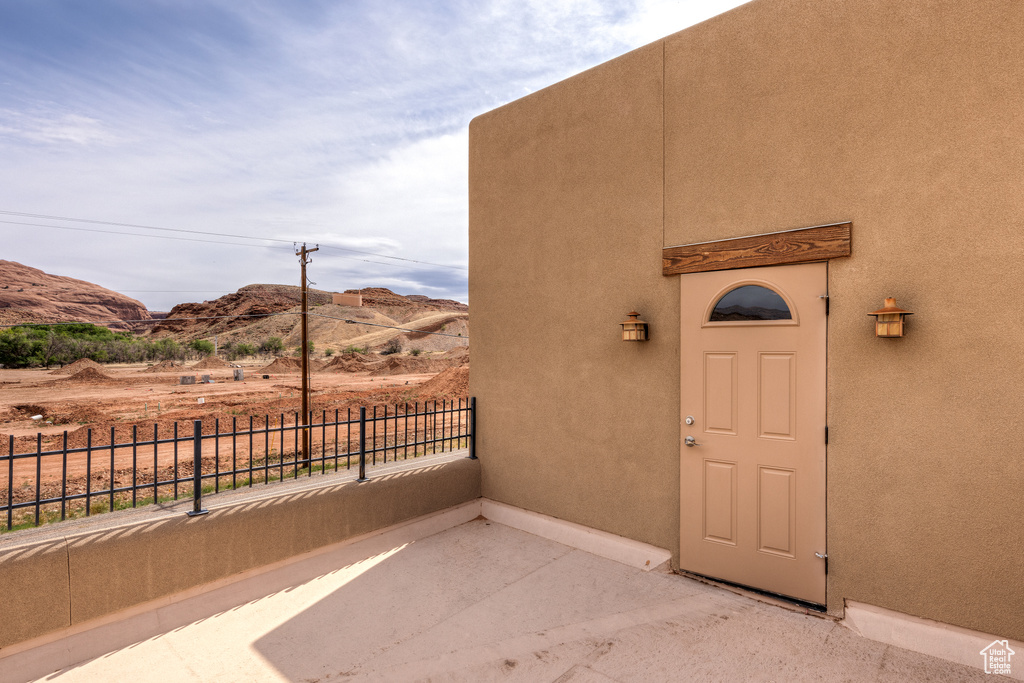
(192, 239)
(203, 232)
(135, 234)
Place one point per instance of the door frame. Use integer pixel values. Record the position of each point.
(688, 562)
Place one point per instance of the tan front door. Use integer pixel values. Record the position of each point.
(752, 498)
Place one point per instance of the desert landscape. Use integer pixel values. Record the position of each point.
(360, 359)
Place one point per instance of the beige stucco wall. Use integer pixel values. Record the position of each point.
(906, 119)
(96, 572)
(565, 240)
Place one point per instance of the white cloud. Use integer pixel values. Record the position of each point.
(54, 128)
(340, 123)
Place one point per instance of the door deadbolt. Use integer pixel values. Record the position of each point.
(690, 420)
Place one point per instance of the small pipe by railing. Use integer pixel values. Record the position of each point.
(67, 481)
(197, 469)
(362, 443)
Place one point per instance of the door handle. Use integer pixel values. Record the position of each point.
(691, 442)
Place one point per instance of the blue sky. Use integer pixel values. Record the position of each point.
(343, 123)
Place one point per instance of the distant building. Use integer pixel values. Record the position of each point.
(347, 299)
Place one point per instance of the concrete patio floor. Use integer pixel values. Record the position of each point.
(477, 602)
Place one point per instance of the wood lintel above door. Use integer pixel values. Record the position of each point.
(819, 243)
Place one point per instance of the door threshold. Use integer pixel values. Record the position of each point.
(783, 601)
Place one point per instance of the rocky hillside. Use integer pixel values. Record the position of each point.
(380, 297)
(251, 300)
(30, 295)
(381, 310)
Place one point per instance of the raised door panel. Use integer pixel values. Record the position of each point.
(720, 502)
(776, 511)
(776, 395)
(720, 394)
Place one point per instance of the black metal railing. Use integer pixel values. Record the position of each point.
(75, 480)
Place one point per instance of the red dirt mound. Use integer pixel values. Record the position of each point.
(451, 382)
(89, 376)
(404, 365)
(79, 364)
(164, 366)
(210, 363)
(352, 362)
(283, 365)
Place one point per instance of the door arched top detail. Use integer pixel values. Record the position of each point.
(750, 302)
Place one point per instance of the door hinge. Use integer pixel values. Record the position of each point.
(825, 297)
(826, 435)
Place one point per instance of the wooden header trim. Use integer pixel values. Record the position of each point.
(772, 249)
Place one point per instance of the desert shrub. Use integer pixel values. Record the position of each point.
(328, 352)
(416, 352)
(245, 349)
(271, 345)
(166, 349)
(393, 346)
(204, 347)
(15, 348)
(35, 345)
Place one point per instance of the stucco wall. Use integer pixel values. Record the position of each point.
(906, 119)
(565, 240)
(61, 582)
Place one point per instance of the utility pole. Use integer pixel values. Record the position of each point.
(306, 453)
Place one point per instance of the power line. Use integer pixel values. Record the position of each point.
(211, 234)
(134, 234)
(192, 239)
(397, 258)
(143, 227)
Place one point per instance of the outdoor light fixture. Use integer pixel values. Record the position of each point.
(634, 329)
(889, 320)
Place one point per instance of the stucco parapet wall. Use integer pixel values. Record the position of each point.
(54, 579)
(601, 543)
(926, 636)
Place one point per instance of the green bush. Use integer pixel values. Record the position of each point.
(45, 345)
(415, 352)
(203, 347)
(244, 349)
(271, 345)
(393, 346)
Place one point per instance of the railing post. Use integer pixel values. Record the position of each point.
(197, 469)
(362, 444)
(472, 428)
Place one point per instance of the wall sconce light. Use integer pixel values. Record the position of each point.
(889, 320)
(634, 329)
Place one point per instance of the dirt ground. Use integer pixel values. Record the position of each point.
(130, 401)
